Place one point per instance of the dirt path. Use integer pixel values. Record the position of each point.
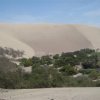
(51, 94)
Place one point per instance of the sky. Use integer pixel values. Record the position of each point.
(50, 11)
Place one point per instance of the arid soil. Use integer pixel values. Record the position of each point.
(51, 94)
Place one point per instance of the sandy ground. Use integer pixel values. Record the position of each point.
(51, 94)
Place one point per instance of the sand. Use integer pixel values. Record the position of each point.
(51, 94)
(40, 39)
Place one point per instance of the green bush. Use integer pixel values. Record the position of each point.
(94, 74)
(68, 70)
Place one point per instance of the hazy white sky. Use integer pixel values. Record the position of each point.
(50, 11)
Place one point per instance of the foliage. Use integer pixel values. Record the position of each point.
(52, 70)
(68, 70)
(26, 62)
(46, 60)
(94, 74)
(6, 65)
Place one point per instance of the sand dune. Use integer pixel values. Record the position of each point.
(39, 39)
(51, 94)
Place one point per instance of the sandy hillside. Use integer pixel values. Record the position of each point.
(39, 39)
(51, 94)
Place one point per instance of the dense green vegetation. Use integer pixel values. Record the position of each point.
(79, 68)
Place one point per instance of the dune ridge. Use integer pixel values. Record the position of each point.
(39, 39)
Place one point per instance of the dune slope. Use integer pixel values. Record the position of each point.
(39, 39)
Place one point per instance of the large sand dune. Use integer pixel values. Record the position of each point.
(51, 94)
(39, 39)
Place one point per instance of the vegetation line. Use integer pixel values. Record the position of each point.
(73, 69)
